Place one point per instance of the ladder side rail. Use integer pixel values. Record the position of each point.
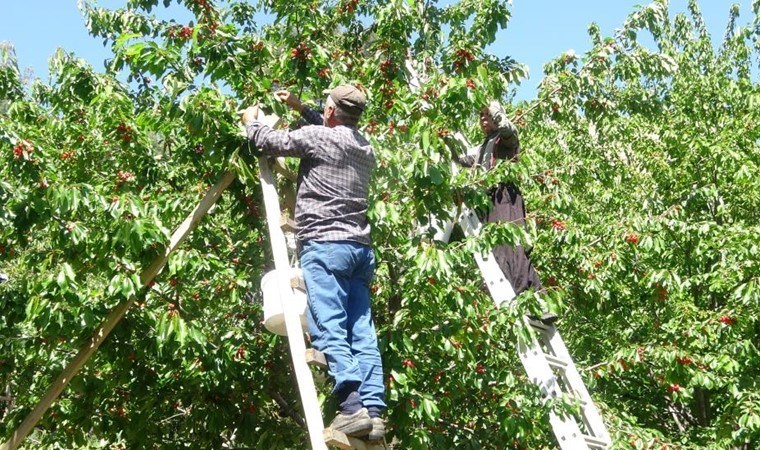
(498, 286)
(534, 360)
(591, 415)
(566, 429)
(567, 432)
(538, 370)
(308, 391)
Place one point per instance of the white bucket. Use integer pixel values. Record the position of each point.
(274, 319)
(442, 228)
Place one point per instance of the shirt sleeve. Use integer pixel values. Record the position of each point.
(466, 160)
(311, 116)
(507, 145)
(293, 143)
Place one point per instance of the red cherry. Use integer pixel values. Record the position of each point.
(558, 224)
(727, 320)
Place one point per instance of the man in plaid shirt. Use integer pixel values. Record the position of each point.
(334, 247)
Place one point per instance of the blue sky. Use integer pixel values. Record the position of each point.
(538, 31)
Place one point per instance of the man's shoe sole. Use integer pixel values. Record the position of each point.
(358, 424)
(378, 432)
(360, 428)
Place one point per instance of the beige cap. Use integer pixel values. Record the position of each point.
(349, 98)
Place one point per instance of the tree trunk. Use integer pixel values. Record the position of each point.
(702, 406)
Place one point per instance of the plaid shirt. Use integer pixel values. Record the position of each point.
(333, 177)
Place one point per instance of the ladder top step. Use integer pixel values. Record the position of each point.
(340, 440)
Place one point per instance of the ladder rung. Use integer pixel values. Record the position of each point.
(316, 358)
(572, 395)
(298, 283)
(540, 326)
(595, 442)
(287, 224)
(278, 165)
(556, 362)
(340, 440)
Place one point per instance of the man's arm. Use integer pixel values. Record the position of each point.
(508, 142)
(296, 143)
(311, 116)
(507, 147)
(470, 158)
(466, 160)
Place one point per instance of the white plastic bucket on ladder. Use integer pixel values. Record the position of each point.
(274, 319)
(442, 227)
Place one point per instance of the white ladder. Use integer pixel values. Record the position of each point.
(319, 436)
(545, 358)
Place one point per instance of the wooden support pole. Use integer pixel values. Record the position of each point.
(306, 387)
(296, 344)
(88, 349)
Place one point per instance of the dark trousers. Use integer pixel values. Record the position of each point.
(508, 206)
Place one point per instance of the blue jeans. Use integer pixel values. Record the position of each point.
(338, 275)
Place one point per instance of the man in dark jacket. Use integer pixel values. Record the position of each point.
(502, 143)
